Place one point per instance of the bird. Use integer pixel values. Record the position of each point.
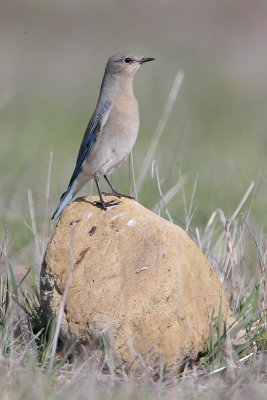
(111, 132)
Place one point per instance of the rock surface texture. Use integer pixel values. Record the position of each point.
(137, 279)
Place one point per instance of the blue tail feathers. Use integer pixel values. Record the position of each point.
(64, 201)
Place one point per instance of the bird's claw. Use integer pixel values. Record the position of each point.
(105, 204)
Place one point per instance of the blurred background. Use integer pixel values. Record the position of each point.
(52, 59)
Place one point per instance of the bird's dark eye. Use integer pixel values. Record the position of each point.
(127, 60)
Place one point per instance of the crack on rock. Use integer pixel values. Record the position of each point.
(81, 255)
(58, 288)
(141, 269)
(92, 230)
(75, 221)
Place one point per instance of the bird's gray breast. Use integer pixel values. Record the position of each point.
(116, 138)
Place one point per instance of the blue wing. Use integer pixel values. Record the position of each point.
(94, 126)
(92, 130)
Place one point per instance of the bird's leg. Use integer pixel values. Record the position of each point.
(103, 204)
(114, 191)
(110, 185)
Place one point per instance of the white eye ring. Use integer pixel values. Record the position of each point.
(127, 60)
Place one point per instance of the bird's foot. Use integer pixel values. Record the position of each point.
(119, 195)
(105, 204)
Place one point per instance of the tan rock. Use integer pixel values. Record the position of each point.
(138, 279)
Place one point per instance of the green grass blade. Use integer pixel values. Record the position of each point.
(13, 280)
(245, 322)
(248, 301)
(256, 299)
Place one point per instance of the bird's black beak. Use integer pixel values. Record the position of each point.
(146, 59)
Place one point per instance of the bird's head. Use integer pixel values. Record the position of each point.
(126, 63)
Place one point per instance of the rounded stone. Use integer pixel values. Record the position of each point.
(135, 278)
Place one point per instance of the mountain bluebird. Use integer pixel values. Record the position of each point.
(112, 129)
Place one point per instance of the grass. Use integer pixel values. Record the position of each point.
(33, 361)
